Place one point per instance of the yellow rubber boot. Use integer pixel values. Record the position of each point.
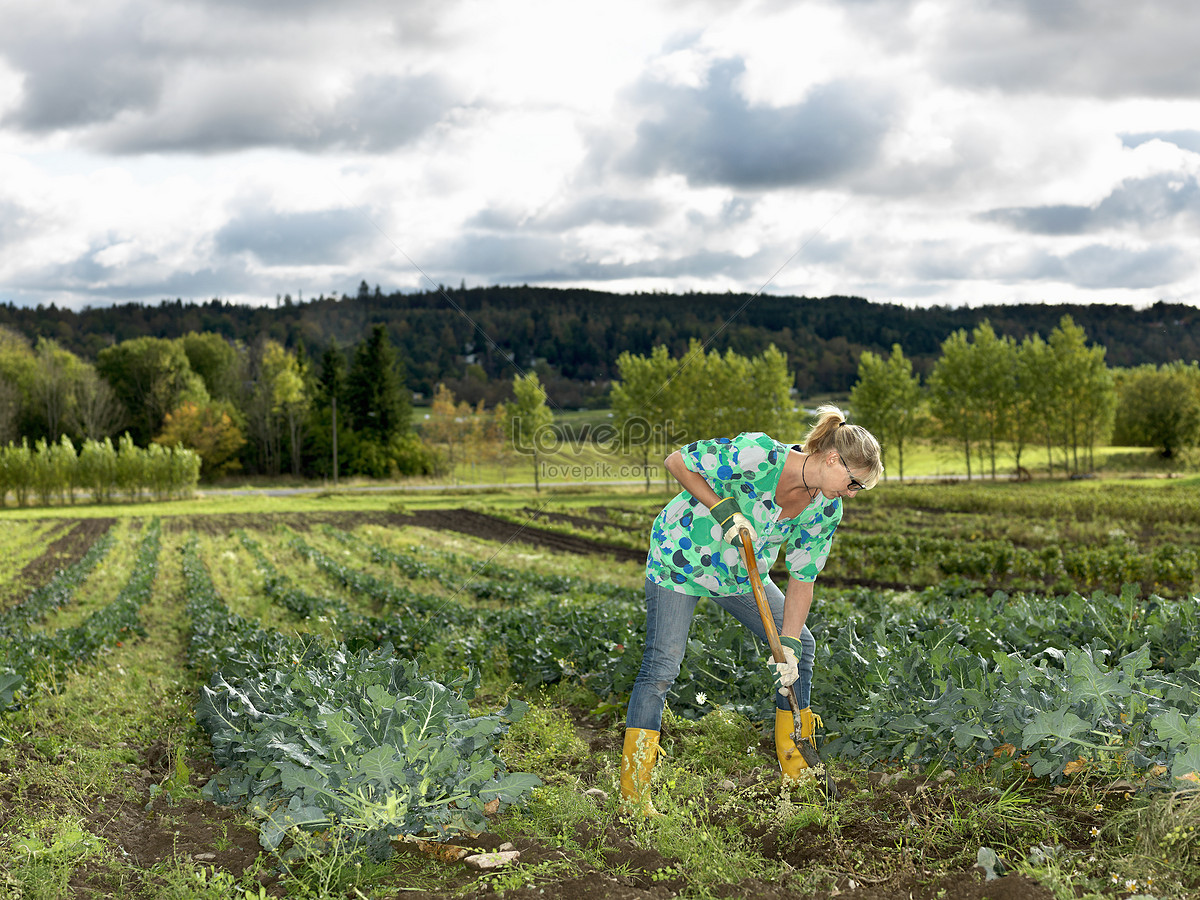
(791, 760)
(637, 762)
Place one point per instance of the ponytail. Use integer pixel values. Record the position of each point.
(856, 446)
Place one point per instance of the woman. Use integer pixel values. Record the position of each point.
(784, 498)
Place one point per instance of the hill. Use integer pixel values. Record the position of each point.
(470, 337)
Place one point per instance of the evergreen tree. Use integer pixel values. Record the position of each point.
(329, 404)
(377, 400)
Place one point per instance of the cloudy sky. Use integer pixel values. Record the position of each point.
(916, 151)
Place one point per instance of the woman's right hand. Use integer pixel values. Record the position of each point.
(738, 524)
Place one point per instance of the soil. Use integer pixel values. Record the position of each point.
(68, 547)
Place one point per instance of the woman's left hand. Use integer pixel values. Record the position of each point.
(785, 673)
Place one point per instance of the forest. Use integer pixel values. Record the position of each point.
(470, 338)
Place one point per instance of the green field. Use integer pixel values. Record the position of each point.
(1002, 667)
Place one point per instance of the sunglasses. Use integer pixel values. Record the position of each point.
(855, 485)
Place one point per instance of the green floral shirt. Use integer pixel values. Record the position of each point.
(688, 552)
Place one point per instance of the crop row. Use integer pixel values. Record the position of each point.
(900, 557)
(1173, 503)
(309, 735)
(945, 675)
(488, 580)
(924, 696)
(17, 619)
(30, 658)
(544, 636)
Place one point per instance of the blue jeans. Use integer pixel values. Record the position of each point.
(668, 618)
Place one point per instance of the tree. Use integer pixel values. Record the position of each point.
(17, 372)
(378, 401)
(263, 426)
(10, 410)
(209, 430)
(215, 360)
(493, 441)
(719, 395)
(1028, 387)
(450, 423)
(1086, 390)
(98, 412)
(644, 405)
(528, 421)
(151, 377)
(98, 469)
(700, 390)
(953, 395)
(1038, 364)
(887, 400)
(1159, 407)
(768, 387)
(287, 377)
(993, 364)
(16, 462)
(53, 388)
(328, 405)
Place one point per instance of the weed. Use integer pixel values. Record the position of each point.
(543, 741)
(44, 858)
(715, 743)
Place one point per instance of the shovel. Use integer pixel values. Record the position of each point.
(807, 750)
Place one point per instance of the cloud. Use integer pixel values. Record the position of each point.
(1098, 48)
(14, 222)
(325, 236)
(603, 209)
(1100, 266)
(207, 77)
(713, 136)
(267, 108)
(1184, 140)
(83, 281)
(79, 72)
(545, 259)
(1134, 204)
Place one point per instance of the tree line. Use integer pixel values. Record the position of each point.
(265, 408)
(475, 340)
(58, 472)
(1053, 400)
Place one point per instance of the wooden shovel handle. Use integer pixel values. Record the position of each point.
(807, 750)
(768, 618)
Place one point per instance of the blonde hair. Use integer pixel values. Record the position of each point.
(854, 444)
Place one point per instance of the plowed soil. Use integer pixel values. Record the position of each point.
(68, 547)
